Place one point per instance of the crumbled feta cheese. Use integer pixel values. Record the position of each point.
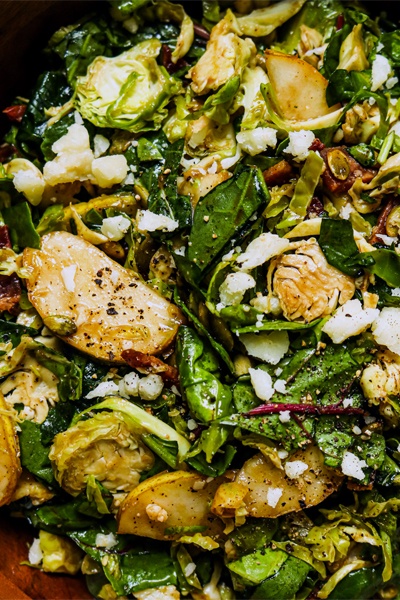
(278, 371)
(105, 388)
(386, 329)
(280, 386)
(295, 468)
(78, 118)
(283, 454)
(30, 183)
(386, 239)
(257, 140)
(369, 420)
(180, 251)
(165, 592)
(270, 347)
(391, 82)
(129, 179)
(109, 170)
(262, 384)
(192, 425)
(299, 143)
(227, 163)
(352, 466)
(115, 227)
(156, 513)
(35, 555)
(100, 145)
(346, 210)
(149, 221)
(234, 287)
(356, 430)
(261, 249)
(68, 277)
(395, 292)
(131, 383)
(348, 402)
(27, 413)
(114, 277)
(381, 70)
(350, 319)
(284, 416)
(150, 387)
(273, 496)
(106, 541)
(189, 569)
(267, 304)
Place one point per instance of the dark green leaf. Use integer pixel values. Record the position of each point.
(285, 583)
(51, 219)
(34, 454)
(218, 465)
(19, 220)
(337, 243)
(12, 332)
(69, 374)
(53, 133)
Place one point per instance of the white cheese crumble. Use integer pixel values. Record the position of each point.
(115, 227)
(347, 402)
(284, 416)
(356, 430)
(350, 319)
(78, 118)
(106, 541)
(261, 249)
(192, 425)
(105, 388)
(295, 468)
(386, 329)
(280, 385)
(391, 82)
(35, 555)
(149, 221)
(68, 277)
(150, 387)
(352, 466)
(189, 569)
(273, 496)
(109, 170)
(396, 292)
(100, 145)
(234, 287)
(386, 239)
(299, 143)
(131, 383)
(30, 183)
(166, 592)
(257, 140)
(381, 70)
(270, 347)
(283, 454)
(262, 384)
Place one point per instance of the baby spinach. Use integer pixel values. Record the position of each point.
(69, 374)
(22, 232)
(337, 243)
(34, 453)
(285, 583)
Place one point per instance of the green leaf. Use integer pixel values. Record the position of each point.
(19, 220)
(51, 219)
(276, 325)
(337, 243)
(258, 566)
(69, 374)
(386, 265)
(34, 454)
(227, 209)
(218, 465)
(53, 133)
(285, 583)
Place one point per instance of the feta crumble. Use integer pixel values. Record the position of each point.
(352, 466)
(386, 329)
(299, 143)
(105, 388)
(261, 249)
(280, 386)
(257, 140)
(295, 468)
(234, 287)
(396, 292)
(381, 70)
(284, 416)
(262, 384)
(149, 221)
(347, 402)
(106, 541)
(35, 554)
(150, 387)
(115, 227)
(68, 277)
(109, 170)
(100, 145)
(391, 82)
(350, 319)
(273, 496)
(270, 347)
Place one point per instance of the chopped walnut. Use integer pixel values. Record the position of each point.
(307, 286)
(156, 513)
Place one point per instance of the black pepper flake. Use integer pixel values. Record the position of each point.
(111, 311)
(98, 282)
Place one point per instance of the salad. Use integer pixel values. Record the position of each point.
(200, 302)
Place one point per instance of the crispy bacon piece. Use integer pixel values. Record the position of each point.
(151, 364)
(278, 174)
(166, 58)
(380, 227)
(15, 112)
(10, 287)
(341, 186)
(317, 145)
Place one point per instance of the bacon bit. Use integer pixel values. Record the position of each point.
(5, 240)
(10, 293)
(315, 209)
(278, 174)
(15, 112)
(201, 31)
(166, 59)
(357, 487)
(317, 145)
(338, 186)
(151, 364)
(310, 409)
(339, 22)
(6, 150)
(380, 227)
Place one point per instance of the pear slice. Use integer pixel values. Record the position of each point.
(300, 89)
(95, 304)
(10, 466)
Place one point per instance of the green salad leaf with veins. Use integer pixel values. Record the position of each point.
(200, 302)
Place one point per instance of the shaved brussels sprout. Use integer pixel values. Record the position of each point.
(263, 21)
(129, 91)
(59, 554)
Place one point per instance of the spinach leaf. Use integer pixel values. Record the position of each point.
(334, 436)
(254, 568)
(34, 453)
(337, 243)
(52, 134)
(222, 213)
(343, 85)
(216, 106)
(384, 263)
(275, 325)
(217, 466)
(165, 200)
(68, 373)
(129, 569)
(391, 46)
(19, 220)
(12, 332)
(285, 583)
(52, 89)
(58, 419)
(51, 219)
(254, 535)
(124, 8)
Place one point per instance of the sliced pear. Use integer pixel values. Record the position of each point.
(169, 500)
(300, 89)
(10, 466)
(308, 489)
(110, 307)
